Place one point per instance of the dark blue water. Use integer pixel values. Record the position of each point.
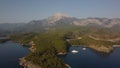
(90, 59)
(10, 52)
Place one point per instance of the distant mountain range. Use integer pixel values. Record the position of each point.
(61, 20)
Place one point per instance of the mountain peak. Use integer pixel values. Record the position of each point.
(57, 17)
(60, 15)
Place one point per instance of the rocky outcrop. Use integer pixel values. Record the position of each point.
(62, 53)
(68, 65)
(101, 48)
(32, 48)
(27, 64)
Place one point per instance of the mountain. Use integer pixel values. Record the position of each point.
(61, 20)
(104, 22)
(58, 19)
(10, 26)
(52, 20)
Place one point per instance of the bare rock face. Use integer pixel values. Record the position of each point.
(56, 17)
(105, 22)
(27, 64)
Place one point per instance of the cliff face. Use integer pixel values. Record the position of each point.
(27, 64)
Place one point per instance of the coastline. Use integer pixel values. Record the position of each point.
(102, 48)
(25, 63)
(28, 64)
(32, 48)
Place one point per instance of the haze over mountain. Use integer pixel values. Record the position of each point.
(65, 19)
(61, 20)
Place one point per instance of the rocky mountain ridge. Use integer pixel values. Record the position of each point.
(58, 20)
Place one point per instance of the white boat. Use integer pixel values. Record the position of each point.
(74, 51)
(84, 48)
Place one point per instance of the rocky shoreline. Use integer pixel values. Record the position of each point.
(28, 64)
(101, 49)
(62, 53)
(25, 63)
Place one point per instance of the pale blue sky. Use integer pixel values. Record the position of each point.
(12, 11)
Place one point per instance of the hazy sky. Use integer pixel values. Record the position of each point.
(12, 11)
